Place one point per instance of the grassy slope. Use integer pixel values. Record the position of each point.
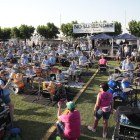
(35, 119)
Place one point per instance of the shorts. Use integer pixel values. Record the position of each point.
(100, 113)
(60, 127)
(6, 99)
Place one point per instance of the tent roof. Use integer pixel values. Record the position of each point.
(126, 36)
(101, 36)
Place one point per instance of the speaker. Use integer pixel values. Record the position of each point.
(5, 118)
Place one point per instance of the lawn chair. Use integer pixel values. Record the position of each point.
(104, 68)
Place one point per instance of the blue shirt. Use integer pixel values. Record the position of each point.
(2, 58)
(3, 67)
(35, 57)
(118, 53)
(73, 67)
(46, 62)
(52, 60)
(24, 61)
(60, 77)
(126, 81)
(19, 52)
(60, 51)
(124, 62)
(92, 52)
(97, 52)
(29, 72)
(130, 66)
(9, 55)
(5, 92)
(82, 58)
(53, 53)
(90, 59)
(10, 49)
(78, 53)
(72, 54)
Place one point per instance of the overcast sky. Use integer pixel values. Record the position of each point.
(39, 12)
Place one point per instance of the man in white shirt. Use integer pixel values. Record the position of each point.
(126, 50)
(134, 55)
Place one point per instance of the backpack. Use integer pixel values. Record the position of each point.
(1, 90)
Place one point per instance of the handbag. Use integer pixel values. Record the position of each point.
(106, 109)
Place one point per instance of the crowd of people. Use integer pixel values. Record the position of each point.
(23, 55)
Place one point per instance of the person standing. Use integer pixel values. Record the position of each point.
(72, 121)
(4, 87)
(126, 50)
(103, 107)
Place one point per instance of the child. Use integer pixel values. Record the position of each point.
(59, 76)
(126, 79)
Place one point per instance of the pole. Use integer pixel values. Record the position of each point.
(125, 23)
(60, 28)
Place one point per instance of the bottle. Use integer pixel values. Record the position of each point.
(123, 118)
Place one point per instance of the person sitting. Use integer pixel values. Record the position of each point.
(73, 54)
(93, 54)
(16, 68)
(118, 55)
(9, 56)
(83, 60)
(125, 61)
(3, 66)
(24, 55)
(19, 52)
(138, 74)
(60, 50)
(126, 79)
(59, 76)
(52, 59)
(35, 57)
(127, 68)
(97, 53)
(46, 65)
(78, 52)
(72, 70)
(24, 60)
(103, 107)
(134, 55)
(103, 63)
(72, 121)
(2, 58)
(30, 73)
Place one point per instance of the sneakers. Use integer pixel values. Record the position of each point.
(91, 128)
(104, 135)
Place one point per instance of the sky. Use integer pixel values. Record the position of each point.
(39, 12)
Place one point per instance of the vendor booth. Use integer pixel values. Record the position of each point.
(127, 37)
(104, 47)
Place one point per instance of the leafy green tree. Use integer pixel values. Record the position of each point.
(48, 31)
(26, 31)
(134, 28)
(15, 32)
(6, 33)
(0, 33)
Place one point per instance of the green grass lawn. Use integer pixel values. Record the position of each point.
(35, 119)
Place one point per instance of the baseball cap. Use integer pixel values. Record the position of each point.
(70, 105)
(51, 54)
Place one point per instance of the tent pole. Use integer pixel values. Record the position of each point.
(112, 49)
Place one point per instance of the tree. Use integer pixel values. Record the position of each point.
(0, 33)
(25, 31)
(67, 30)
(134, 28)
(6, 33)
(15, 32)
(48, 31)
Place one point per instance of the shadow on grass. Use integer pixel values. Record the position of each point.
(32, 130)
(32, 111)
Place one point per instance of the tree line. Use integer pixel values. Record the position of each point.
(50, 31)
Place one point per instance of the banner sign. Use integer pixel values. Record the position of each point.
(93, 27)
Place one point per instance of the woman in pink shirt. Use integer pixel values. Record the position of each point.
(103, 107)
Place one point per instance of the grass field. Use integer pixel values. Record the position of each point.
(35, 119)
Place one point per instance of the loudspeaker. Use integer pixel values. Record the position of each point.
(5, 118)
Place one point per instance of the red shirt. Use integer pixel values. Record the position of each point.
(72, 124)
(102, 61)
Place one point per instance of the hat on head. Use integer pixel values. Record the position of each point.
(51, 54)
(70, 105)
